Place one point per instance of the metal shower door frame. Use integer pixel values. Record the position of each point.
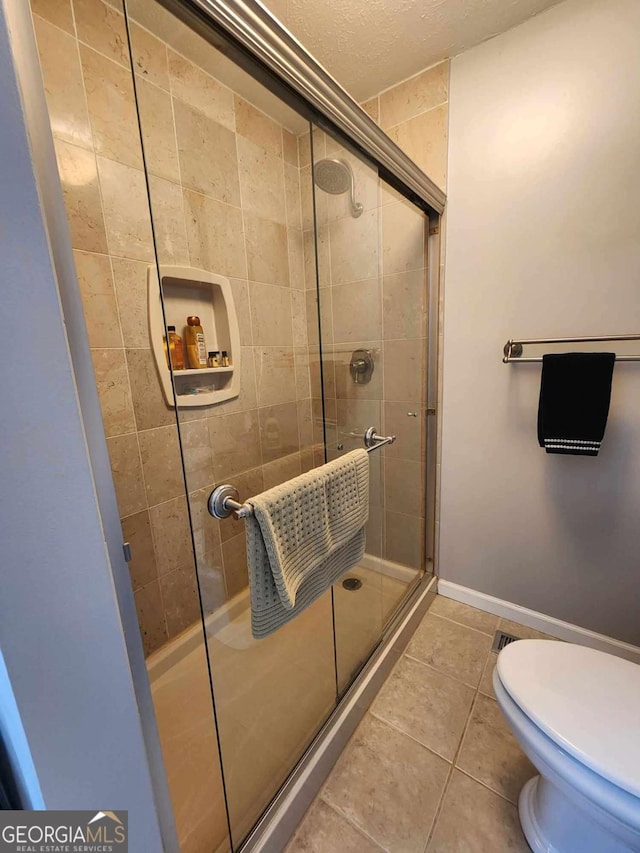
(254, 34)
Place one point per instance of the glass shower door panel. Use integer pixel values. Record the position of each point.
(372, 292)
(89, 83)
(225, 163)
(350, 354)
(405, 231)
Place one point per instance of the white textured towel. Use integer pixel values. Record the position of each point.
(302, 536)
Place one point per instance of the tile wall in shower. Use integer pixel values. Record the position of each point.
(225, 191)
(373, 296)
(415, 114)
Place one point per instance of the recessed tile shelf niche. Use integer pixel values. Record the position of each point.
(185, 292)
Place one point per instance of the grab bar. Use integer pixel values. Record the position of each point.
(223, 500)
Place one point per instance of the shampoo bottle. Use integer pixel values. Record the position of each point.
(196, 349)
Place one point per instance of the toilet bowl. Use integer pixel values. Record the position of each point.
(576, 714)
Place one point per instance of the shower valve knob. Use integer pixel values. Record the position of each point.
(361, 366)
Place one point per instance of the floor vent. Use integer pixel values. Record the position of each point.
(501, 640)
(352, 583)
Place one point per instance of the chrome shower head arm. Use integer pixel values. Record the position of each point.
(356, 207)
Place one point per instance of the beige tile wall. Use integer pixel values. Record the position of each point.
(415, 115)
(373, 296)
(225, 193)
(231, 192)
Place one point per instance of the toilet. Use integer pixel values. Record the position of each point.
(576, 714)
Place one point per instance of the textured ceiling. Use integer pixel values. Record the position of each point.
(369, 45)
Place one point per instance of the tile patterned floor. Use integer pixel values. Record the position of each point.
(432, 767)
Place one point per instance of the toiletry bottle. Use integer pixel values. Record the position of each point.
(175, 348)
(211, 360)
(196, 349)
(225, 359)
(215, 359)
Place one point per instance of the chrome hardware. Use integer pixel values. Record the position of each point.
(412, 414)
(361, 366)
(373, 441)
(223, 500)
(126, 550)
(512, 350)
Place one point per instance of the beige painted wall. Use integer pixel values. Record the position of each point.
(543, 241)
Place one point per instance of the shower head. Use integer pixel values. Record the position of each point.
(336, 177)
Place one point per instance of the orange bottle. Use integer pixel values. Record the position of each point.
(196, 349)
(174, 350)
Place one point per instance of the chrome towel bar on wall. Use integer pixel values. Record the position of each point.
(223, 500)
(512, 351)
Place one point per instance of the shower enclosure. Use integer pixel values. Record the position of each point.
(192, 188)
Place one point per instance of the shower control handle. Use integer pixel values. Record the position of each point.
(361, 366)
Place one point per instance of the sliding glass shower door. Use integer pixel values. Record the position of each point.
(300, 293)
(227, 170)
(255, 301)
(372, 304)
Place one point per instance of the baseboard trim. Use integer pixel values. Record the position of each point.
(539, 621)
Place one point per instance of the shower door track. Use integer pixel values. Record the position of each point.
(259, 37)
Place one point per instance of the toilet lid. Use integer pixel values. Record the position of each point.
(586, 701)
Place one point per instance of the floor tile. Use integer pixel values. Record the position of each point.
(388, 785)
(475, 820)
(385, 784)
(450, 648)
(465, 615)
(323, 830)
(431, 707)
(522, 631)
(491, 754)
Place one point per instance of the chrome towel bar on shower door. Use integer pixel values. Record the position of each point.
(512, 351)
(223, 500)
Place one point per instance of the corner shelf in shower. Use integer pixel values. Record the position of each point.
(203, 370)
(187, 291)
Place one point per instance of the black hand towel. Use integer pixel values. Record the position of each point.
(574, 402)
